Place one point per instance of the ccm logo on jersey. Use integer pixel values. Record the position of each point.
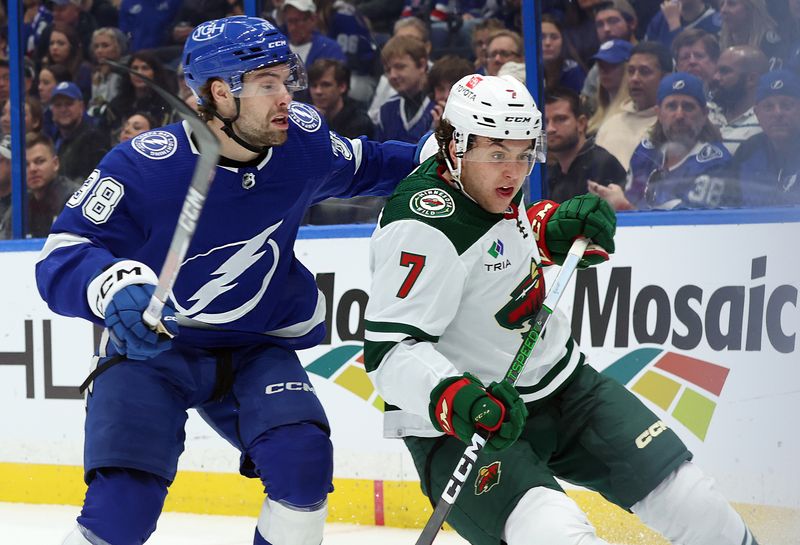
(279, 387)
(650, 433)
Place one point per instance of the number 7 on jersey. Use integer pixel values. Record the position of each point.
(416, 262)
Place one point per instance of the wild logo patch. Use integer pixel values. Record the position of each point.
(432, 203)
(488, 476)
(525, 300)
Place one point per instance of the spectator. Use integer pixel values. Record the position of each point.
(767, 165)
(65, 49)
(328, 80)
(342, 23)
(579, 29)
(503, 46)
(682, 162)
(33, 116)
(441, 77)
(107, 44)
(5, 80)
(406, 116)
(613, 21)
(696, 51)
(560, 68)
(480, 38)
(48, 191)
(147, 24)
(304, 38)
(49, 77)
(135, 125)
(135, 95)
(408, 26)
(69, 13)
(80, 146)
(611, 60)
(622, 132)
(5, 185)
(734, 91)
(574, 159)
(747, 22)
(676, 16)
(35, 21)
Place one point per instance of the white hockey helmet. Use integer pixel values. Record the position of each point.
(494, 107)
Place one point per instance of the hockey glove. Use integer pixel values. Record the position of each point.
(556, 226)
(126, 326)
(460, 406)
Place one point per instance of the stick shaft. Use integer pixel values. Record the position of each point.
(478, 441)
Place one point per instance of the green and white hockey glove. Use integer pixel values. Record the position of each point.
(461, 406)
(556, 226)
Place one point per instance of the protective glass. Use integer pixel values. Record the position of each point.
(272, 80)
(495, 154)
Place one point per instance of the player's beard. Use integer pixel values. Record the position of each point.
(261, 132)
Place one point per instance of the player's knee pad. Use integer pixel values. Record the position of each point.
(279, 524)
(122, 506)
(687, 509)
(295, 463)
(548, 517)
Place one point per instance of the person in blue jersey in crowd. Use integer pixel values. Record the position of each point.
(681, 163)
(767, 165)
(241, 306)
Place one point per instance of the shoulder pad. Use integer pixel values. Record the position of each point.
(305, 116)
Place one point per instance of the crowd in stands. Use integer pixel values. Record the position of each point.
(649, 104)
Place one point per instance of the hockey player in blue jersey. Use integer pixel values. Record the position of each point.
(243, 301)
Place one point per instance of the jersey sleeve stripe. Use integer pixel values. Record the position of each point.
(374, 352)
(61, 240)
(357, 152)
(394, 327)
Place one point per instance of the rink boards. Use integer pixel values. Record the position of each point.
(700, 321)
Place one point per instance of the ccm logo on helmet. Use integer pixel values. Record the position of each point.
(279, 387)
(279, 43)
(650, 433)
(512, 119)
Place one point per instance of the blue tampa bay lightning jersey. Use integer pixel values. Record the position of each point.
(240, 282)
(698, 181)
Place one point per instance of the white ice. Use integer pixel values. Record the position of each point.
(25, 524)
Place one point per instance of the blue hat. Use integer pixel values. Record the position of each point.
(779, 82)
(67, 89)
(682, 83)
(614, 51)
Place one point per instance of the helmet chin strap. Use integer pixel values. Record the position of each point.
(227, 128)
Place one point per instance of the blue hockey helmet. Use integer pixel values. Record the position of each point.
(230, 47)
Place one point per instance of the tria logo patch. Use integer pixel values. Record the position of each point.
(488, 476)
(432, 203)
(496, 249)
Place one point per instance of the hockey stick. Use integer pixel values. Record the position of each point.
(203, 175)
(467, 461)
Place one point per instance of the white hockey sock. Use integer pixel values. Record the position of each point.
(688, 510)
(548, 517)
(281, 525)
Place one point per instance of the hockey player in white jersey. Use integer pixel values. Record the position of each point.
(456, 263)
(242, 299)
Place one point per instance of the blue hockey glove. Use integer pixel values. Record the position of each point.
(129, 333)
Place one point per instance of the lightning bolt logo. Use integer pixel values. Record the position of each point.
(227, 275)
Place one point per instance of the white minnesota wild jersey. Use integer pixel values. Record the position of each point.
(454, 289)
